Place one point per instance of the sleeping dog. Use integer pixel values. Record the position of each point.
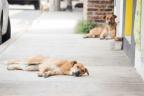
(49, 66)
(107, 31)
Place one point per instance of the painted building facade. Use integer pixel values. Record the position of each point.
(133, 31)
(139, 37)
(128, 29)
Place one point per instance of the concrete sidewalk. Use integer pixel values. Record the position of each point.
(110, 72)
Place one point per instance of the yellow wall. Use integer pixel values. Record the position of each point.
(128, 17)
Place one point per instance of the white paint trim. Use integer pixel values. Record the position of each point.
(138, 63)
(119, 12)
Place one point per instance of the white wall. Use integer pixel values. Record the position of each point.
(139, 54)
(118, 10)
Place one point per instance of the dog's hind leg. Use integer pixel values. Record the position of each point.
(32, 68)
(90, 36)
(49, 73)
(14, 67)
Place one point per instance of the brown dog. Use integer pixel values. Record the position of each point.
(53, 66)
(49, 66)
(107, 31)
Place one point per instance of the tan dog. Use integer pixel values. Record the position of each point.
(107, 31)
(49, 66)
(53, 66)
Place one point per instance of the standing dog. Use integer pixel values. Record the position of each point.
(107, 31)
(49, 66)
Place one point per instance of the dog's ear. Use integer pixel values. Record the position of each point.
(114, 16)
(73, 62)
(86, 70)
(104, 17)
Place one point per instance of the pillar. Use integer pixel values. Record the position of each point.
(69, 5)
(54, 5)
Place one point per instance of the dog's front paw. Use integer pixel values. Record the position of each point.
(85, 37)
(108, 38)
(40, 75)
(102, 38)
(46, 75)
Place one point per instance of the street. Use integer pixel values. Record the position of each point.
(52, 34)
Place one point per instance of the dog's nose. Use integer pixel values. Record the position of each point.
(77, 74)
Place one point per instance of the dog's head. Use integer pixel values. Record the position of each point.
(78, 69)
(110, 19)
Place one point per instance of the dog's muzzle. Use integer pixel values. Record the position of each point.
(77, 74)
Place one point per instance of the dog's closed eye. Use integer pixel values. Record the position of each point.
(78, 67)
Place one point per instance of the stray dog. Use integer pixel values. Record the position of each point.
(107, 31)
(49, 66)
